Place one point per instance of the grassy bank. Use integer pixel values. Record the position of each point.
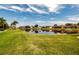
(20, 42)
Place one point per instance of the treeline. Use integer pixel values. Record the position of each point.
(4, 25)
(66, 28)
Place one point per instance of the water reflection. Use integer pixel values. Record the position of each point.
(42, 32)
(50, 32)
(36, 31)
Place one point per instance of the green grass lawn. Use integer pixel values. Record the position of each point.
(19, 42)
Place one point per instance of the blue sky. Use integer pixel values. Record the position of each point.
(41, 14)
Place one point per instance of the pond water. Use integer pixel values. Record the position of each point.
(52, 32)
(43, 32)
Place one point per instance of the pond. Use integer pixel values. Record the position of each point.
(43, 32)
(52, 32)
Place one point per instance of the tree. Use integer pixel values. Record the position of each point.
(27, 28)
(55, 24)
(68, 24)
(77, 23)
(3, 24)
(13, 24)
(36, 25)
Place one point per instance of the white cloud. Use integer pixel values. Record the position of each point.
(29, 10)
(21, 9)
(76, 19)
(54, 7)
(1, 7)
(54, 22)
(16, 8)
(75, 5)
(51, 8)
(37, 10)
(6, 8)
(60, 22)
(39, 21)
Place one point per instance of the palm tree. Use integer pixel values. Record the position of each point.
(3, 23)
(13, 24)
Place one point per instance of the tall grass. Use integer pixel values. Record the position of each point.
(20, 42)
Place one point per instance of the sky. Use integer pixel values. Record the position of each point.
(41, 14)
